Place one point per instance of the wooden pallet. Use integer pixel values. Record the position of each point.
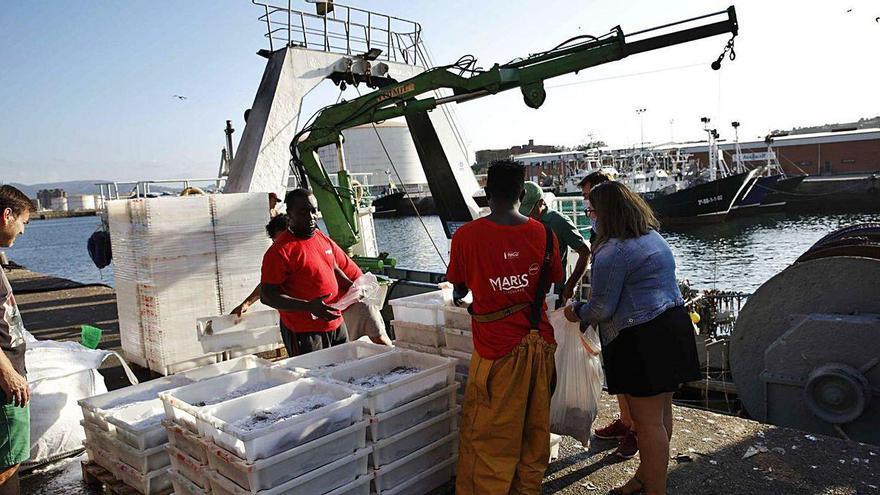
(95, 475)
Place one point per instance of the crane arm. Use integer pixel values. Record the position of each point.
(337, 204)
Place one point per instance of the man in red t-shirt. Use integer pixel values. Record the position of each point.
(505, 432)
(303, 273)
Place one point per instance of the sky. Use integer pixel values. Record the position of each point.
(86, 87)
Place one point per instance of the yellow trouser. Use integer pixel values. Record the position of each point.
(505, 432)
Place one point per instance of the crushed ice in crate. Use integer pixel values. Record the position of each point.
(283, 411)
(378, 379)
(330, 365)
(147, 418)
(236, 393)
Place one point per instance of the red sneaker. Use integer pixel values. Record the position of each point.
(628, 446)
(616, 429)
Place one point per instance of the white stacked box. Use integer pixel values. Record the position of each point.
(254, 329)
(339, 356)
(182, 405)
(397, 473)
(124, 429)
(330, 477)
(418, 321)
(316, 451)
(407, 415)
(205, 251)
(268, 473)
(218, 423)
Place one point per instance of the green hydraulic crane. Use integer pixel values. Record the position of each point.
(400, 99)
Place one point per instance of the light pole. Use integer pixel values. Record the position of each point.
(641, 113)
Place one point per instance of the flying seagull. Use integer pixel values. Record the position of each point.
(179, 97)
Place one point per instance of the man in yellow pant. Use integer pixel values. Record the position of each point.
(507, 261)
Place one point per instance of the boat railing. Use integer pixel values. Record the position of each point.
(337, 28)
(109, 191)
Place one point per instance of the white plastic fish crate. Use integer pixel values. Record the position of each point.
(336, 357)
(216, 422)
(456, 317)
(230, 366)
(95, 408)
(462, 359)
(140, 424)
(100, 457)
(417, 333)
(226, 332)
(319, 481)
(424, 349)
(408, 441)
(96, 436)
(267, 473)
(360, 486)
(188, 467)
(384, 425)
(459, 340)
(184, 486)
(426, 481)
(436, 373)
(156, 482)
(426, 309)
(186, 441)
(398, 472)
(246, 351)
(143, 461)
(182, 404)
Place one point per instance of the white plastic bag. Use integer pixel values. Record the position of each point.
(365, 289)
(59, 375)
(579, 379)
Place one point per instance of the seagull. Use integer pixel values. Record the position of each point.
(179, 97)
(848, 11)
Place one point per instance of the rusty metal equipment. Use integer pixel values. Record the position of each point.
(805, 351)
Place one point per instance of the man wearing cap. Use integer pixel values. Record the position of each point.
(534, 206)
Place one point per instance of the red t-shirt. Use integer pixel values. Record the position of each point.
(304, 268)
(501, 264)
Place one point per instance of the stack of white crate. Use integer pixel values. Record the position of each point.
(123, 428)
(123, 438)
(177, 259)
(413, 421)
(418, 321)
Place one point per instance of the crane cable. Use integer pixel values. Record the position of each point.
(405, 192)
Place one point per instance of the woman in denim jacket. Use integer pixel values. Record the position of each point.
(648, 344)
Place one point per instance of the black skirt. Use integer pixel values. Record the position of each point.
(654, 357)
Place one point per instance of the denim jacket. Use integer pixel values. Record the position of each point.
(633, 282)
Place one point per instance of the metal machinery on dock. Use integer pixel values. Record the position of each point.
(805, 350)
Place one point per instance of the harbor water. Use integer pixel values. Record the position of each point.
(737, 255)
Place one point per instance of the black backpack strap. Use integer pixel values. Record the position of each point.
(543, 282)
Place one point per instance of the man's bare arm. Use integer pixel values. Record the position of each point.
(271, 295)
(13, 384)
(580, 268)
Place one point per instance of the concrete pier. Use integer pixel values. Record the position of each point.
(709, 451)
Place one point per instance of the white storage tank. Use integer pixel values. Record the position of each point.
(364, 153)
(59, 204)
(81, 202)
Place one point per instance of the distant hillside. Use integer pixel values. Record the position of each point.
(71, 187)
(74, 187)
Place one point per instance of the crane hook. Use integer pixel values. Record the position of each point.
(727, 49)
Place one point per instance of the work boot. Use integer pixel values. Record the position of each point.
(628, 446)
(613, 431)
